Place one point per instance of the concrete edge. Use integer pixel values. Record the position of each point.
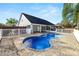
(76, 34)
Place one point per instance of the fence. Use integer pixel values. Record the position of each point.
(67, 30)
(12, 31)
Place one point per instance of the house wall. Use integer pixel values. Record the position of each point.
(24, 21)
(29, 30)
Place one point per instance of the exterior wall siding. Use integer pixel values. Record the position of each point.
(24, 21)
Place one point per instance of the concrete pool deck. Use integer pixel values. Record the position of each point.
(64, 46)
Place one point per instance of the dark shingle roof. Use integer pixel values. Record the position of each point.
(36, 20)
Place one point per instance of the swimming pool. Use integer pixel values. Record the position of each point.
(40, 43)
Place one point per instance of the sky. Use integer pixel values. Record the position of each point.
(51, 12)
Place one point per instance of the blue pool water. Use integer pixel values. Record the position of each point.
(41, 42)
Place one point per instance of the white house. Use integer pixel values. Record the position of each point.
(35, 24)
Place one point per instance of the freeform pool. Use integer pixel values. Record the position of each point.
(41, 42)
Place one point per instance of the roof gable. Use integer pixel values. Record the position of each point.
(36, 20)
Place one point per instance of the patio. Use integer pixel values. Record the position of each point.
(65, 46)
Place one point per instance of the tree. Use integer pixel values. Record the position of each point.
(11, 22)
(66, 13)
(76, 15)
(70, 14)
(1, 24)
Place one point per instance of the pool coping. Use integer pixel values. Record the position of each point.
(22, 47)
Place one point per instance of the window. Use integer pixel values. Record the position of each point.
(28, 26)
(47, 28)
